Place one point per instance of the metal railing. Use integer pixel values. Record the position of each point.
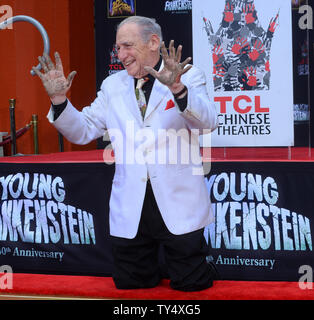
(34, 22)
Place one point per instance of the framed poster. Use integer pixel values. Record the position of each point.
(245, 49)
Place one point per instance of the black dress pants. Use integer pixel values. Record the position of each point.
(136, 261)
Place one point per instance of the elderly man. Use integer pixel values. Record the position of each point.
(152, 202)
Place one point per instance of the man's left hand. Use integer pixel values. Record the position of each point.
(173, 69)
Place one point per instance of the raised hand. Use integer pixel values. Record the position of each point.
(240, 44)
(173, 69)
(257, 50)
(53, 78)
(228, 13)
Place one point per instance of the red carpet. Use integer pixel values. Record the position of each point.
(103, 287)
(295, 154)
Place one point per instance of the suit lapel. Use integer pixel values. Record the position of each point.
(159, 91)
(130, 97)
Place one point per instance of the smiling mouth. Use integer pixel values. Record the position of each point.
(128, 63)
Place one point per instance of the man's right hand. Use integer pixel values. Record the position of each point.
(53, 78)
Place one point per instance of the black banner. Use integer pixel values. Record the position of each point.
(301, 79)
(54, 219)
(264, 219)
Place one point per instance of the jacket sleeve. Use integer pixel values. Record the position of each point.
(85, 126)
(200, 112)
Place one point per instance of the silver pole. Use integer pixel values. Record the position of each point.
(34, 22)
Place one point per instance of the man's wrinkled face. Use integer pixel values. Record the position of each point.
(132, 51)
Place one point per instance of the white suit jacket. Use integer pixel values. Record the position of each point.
(164, 147)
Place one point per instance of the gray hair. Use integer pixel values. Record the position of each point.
(148, 26)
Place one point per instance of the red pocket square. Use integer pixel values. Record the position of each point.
(170, 104)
